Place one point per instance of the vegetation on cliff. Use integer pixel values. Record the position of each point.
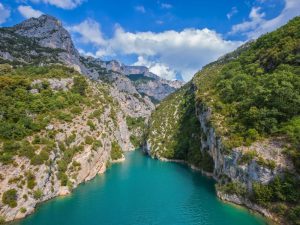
(252, 94)
(174, 130)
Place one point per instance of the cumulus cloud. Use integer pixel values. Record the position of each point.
(258, 25)
(64, 4)
(28, 12)
(156, 67)
(166, 53)
(4, 13)
(89, 31)
(256, 18)
(140, 9)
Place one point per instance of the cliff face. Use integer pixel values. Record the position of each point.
(78, 143)
(232, 122)
(229, 163)
(48, 32)
(58, 127)
(145, 82)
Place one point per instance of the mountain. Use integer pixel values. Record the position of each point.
(64, 118)
(48, 32)
(145, 82)
(238, 121)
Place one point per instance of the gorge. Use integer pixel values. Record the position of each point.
(65, 118)
(143, 191)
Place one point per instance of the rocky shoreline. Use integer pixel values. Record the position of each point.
(234, 199)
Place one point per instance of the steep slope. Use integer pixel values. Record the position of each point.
(145, 82)
(247, 109)
(58, 128)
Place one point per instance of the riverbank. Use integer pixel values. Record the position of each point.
(142, 191)
(233, 199)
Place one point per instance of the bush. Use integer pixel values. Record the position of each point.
(2, 220)
(294, 215)
(262, 194)
(10, 198)
(80, 85)
(96, 114)
(91, 125)
(97, 144)
(247, 157)
(232, 188)
(23, 210)
(89, 140)
(30, 180)
(63, 178)
(116, 151)
(38, 194)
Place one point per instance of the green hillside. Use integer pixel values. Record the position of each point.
(253, 95)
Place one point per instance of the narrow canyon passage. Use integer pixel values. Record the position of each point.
(142, 191)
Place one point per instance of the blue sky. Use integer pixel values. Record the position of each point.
(173, 38)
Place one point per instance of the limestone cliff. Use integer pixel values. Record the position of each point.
(231, 121)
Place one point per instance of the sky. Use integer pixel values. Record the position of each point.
(174, 38)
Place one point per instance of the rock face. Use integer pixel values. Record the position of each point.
(145, 82)
(48, 32)
(109, 127)
(229, 163)
(113, 98)
(226, 164)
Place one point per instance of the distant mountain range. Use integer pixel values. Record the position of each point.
(44, 40)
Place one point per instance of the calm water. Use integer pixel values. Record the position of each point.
(142, 191)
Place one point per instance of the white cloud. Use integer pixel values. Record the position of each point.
(28, 12)
(256, 19)
(157, 68)
(89, 31)
(258, 25)
(232, 12)
(166, 6)
(140, 9)
(4, 13)
(64, 4)
(184, 52)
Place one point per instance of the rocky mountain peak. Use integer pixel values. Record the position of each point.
(48, 32)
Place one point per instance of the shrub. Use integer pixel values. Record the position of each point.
(38, 194)
(23, 210)
(70, 139)
(96, 114)
(294, 215)
(80, 85)
(76, 110)
(262, 194)
(89, 140)
(232, 188)
(247, 157)
(116, 151)
(2, 220)
(10, 198)
(30, 180)
(91, 125)
(97, 144)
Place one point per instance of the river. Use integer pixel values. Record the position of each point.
(142, 190)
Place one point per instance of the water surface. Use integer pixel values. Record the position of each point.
(142, 191)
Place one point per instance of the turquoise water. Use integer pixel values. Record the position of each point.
(142, 191)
